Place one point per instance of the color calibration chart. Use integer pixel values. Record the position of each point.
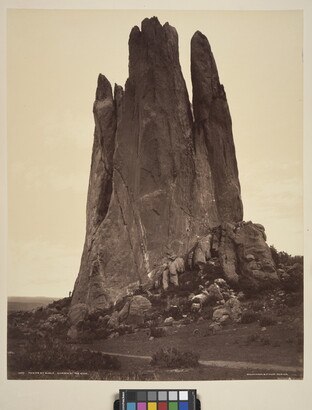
(157, 399)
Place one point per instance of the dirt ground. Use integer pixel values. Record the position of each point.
(273, 349)
(237, 351)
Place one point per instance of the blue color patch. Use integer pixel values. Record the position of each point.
(131, 406)
(183, 405)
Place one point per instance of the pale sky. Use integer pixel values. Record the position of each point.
(54, 58)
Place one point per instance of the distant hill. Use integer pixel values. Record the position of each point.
(28, 303)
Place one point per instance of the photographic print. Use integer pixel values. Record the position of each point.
(155, 209)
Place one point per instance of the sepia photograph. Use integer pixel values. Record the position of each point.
(155, 195)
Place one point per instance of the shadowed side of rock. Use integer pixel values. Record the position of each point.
(99, 191)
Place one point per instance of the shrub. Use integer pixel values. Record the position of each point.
(252, 338)
(265, 341)
(266, 320)
(257, 305)
(87, 337)
(249, 317)
(213, 271)
(157, 300)
(274, 254)
(295, 299)
(284, 258)
(138, 375)
(173, 358)
(88, 360)
(157, 331)
(15, 333)
(175, 312)
(249, 286)
(51, 355)
(207, 312)
(101, 333)
(294, 281)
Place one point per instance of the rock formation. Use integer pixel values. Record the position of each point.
(163, 177)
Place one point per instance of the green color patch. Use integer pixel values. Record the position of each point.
(173, 405)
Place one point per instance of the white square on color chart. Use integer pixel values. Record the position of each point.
(173, 395)
(183, 395)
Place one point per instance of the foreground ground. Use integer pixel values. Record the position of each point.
(237, 351)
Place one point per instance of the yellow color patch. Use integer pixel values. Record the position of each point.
(152, 406)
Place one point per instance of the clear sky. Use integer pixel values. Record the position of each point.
(54, 58)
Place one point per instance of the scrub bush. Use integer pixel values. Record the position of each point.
(173, 358)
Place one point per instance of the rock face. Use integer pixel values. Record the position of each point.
(213, 130)
(245, 256)
(159, 180)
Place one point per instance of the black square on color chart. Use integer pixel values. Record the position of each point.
(131, 395)
(141, 395)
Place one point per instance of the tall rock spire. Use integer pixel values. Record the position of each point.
(158, 181)
(213, 124)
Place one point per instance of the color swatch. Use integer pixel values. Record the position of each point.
(157, 399)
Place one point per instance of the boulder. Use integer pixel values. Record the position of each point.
(227, 254)
(196, 307)
(201, 298)
(234, 306)
(57, 318)
(221, 283)
(176, 267)
(224, 320)
(156, 274)
(165, 279)
(219, 313)
(215, 327)
(77, 313)
(168, 321)
(138, 309)
(124, 313)
(113, 335)
(72, 333)
(202, 251)
(240, 295)
(245, 256)
(53, 322)
(114, 320)
(214, 292)
(190, 259)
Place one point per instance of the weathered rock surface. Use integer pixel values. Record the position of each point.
(77, 313)
(160, 180)
(245, 255)
(213, 126)
(135, 310)
(202, 251)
